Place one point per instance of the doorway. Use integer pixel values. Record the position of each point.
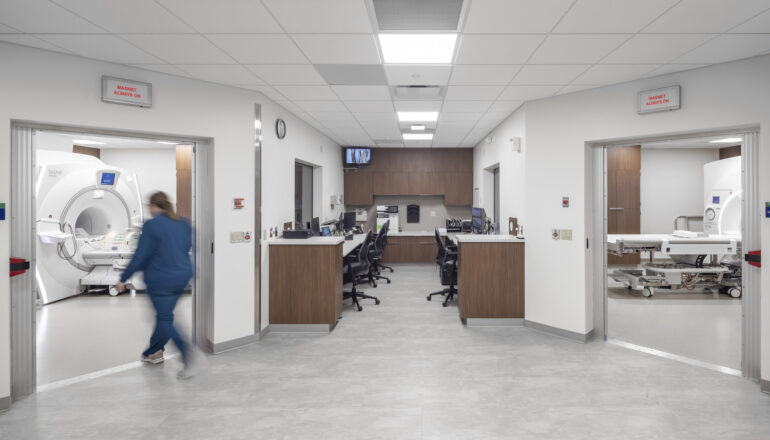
(709, 318)
(303, 195)
(79, 201)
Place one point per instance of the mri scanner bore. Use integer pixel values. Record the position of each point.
(89, 215)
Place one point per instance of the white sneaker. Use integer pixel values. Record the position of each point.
(155, 358)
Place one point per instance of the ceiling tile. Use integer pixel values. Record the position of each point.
(369, 106)
(505, 106)
(180, 49)
(223, 74)
(31, 41)
(417, 106)
(42, 16)
(496, 49)
(231, 16)
(458, 117)
(757, 25)
(101, 47)
(574, 88)
(465, 106)
(352, 74)
(672, 68)
(455, 126)
(288, 74)
(655, 48)
(404, 75)
(494, 118)
(8, 30)
(265, 90)
(418, 144)
(307, 93)
(617, 16)
(611, 74)
(473, 93)
(514, 16)
(527, 93)
(163, 68)
(362, 93)
(321, 16)
(381, 117)
(260, 49)
(127, 17)
(376, 132)
(339, 48)
(322, 106)
(576, 49)
(727, 48)
(706, 16)
(483, 74)
(323, 116)
(548, 74)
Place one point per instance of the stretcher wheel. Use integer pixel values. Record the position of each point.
(647, 292)
(113, 291)
(735, 292)
(428, 297)
(377, 302)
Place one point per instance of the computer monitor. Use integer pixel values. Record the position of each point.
(478, 217)
(349, 220)
(315, 226)
(326, 231)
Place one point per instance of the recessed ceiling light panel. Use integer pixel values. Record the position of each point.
(418, 136)
(418, 48)
(417, 116)
(726, 141)
(418, 128)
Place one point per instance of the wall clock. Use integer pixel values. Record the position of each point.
(280, 128)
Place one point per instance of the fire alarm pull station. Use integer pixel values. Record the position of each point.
(565, 202)
(238, 203)
(555, 234)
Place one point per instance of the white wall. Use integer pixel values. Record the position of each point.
(672, 185)
(512, 170)
(558, 130)
(223, 114)
(155, 169)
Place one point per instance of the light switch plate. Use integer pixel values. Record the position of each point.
(566, 234)
(237, 237)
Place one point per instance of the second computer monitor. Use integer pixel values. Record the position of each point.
(478, 216)
(349, 220)
(315, 226)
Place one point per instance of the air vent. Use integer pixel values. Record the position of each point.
(418, 15)
(418, 92)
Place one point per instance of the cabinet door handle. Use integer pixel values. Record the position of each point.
(617, 209)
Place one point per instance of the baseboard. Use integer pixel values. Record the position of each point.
(572, 336)
(493, 322)
(764, 385)
(298, 328)
(232, 344)
(5, 403)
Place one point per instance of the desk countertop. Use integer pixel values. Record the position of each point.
(312, 241)
(411, 233)
(476, 238)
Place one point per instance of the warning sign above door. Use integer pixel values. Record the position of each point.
(659, 100)
(124, 91)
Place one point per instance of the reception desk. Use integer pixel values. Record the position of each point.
(490, 279)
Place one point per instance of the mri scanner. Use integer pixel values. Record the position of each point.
(708, 259)
(88, 220)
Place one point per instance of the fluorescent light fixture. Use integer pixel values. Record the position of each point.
(418, 128)
(726, 141)
(418, 136)
(418, 48)
(417, 116)
(167, 143)
(87, 142)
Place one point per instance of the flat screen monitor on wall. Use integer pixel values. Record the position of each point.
(356, 157)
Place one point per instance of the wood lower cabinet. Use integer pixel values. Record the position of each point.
(490, 279)
(410, 249)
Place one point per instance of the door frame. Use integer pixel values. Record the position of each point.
(596, 261)
(23, 321)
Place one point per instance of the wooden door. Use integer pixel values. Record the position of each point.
(624, 165)
(184, 157)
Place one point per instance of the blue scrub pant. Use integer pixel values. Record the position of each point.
(164, 303)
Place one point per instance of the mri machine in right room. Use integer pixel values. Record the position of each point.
(703, 260)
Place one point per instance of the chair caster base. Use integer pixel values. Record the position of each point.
(444, 304)
(428, 298)
(359, 308)
(377, 302)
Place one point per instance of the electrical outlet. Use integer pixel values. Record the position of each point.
(566, 234)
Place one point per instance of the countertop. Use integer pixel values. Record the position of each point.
(312, 241)
(410, 233)
(476, 238)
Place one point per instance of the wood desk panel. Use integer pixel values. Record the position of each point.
(490, 280)
(305, 284)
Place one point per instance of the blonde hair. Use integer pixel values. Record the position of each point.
(160, 199)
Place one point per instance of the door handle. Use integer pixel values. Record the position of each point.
(617, 209)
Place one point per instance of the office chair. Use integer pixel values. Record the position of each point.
(384, 242)
(375, 256)
(446, 258)
(356, 269)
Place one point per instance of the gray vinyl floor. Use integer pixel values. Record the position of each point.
(406, 369)
(83, 334)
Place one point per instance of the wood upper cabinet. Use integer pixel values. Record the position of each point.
(458, 188)
(426, 183)
(358, 188)
(390, 183)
